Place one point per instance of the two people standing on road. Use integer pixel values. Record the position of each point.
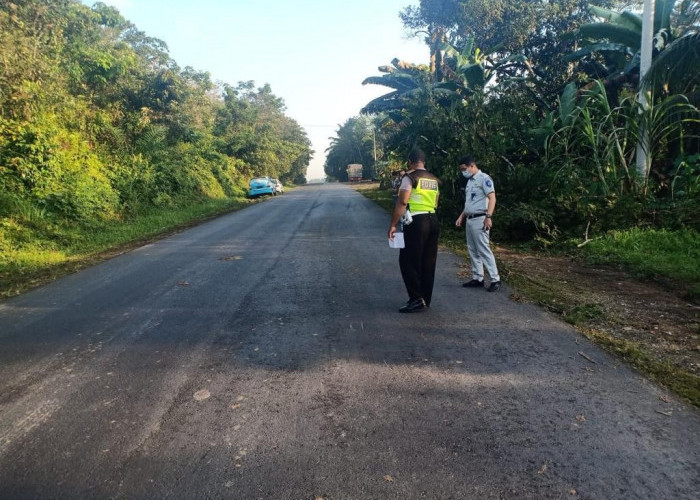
(419, 191)
(479, 204)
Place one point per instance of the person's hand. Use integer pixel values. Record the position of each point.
(459, 220)
(392, 230)
(487, 223)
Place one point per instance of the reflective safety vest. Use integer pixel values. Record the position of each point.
(424, 192)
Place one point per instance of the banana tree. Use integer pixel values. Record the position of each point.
(469, 69)
(409, 81)
(617, 42)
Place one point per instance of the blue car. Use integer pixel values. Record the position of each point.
(261, 185)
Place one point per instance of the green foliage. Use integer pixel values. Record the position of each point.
(53, 168)
(590, 153)
(651, 253)
(97, 123)
(559, 143)
(611, 49)
(35, 248)
(355, 142)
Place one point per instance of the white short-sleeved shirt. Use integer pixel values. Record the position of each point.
(477, 191)
(406, 183)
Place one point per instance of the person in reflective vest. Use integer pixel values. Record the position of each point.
(418, 193)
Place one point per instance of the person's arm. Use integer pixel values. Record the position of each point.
(399, 209)
(460, 219)
(489, 210)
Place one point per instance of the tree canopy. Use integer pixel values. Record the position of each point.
(539, 92)
(97, 121)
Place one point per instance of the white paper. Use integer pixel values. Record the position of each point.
(397, 242)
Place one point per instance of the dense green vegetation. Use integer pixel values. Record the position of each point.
(100, 127)
(544, 95)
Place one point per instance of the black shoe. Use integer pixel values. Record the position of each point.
(494, 286)
(473, 283)
(414, 305)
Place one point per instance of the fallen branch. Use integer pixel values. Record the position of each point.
(586, 238)
(589, 359)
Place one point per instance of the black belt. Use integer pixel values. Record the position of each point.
(474, 216)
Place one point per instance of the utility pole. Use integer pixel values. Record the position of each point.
(374, 142)
(643, 158)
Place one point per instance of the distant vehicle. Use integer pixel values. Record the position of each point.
(354, 172)
(261, 185)
(279, 187)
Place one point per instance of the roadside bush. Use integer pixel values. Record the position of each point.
(227, 172)
(134, 179)
(54, 168)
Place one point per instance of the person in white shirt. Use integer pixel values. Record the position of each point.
(478, 210)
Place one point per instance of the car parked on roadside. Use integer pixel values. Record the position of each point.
(261, 185)
(279, 187)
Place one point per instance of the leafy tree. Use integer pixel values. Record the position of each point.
(353, 143)
(499, 86)
(528, 31)
(98, 122)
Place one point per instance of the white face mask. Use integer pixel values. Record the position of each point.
(467, 175)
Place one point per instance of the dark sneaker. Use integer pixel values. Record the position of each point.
(473, 283)
(414, 305)
(494, 286)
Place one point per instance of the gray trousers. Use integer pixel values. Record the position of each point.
(480, 251)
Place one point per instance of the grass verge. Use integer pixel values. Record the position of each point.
(681, 382)
(652, 254)
(36, 251)
(591, 319)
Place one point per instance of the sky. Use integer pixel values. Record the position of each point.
(313, 53)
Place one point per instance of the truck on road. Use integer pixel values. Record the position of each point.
(354, 172)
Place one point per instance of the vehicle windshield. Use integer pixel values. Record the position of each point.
(259, 179)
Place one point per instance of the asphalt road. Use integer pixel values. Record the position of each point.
(261, 355)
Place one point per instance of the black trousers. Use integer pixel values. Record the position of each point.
(417, 260)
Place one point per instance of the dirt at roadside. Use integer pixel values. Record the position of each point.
(663, 324)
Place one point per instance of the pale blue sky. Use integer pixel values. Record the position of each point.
(313, 53)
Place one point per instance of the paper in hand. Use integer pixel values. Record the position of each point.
(397, 242)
